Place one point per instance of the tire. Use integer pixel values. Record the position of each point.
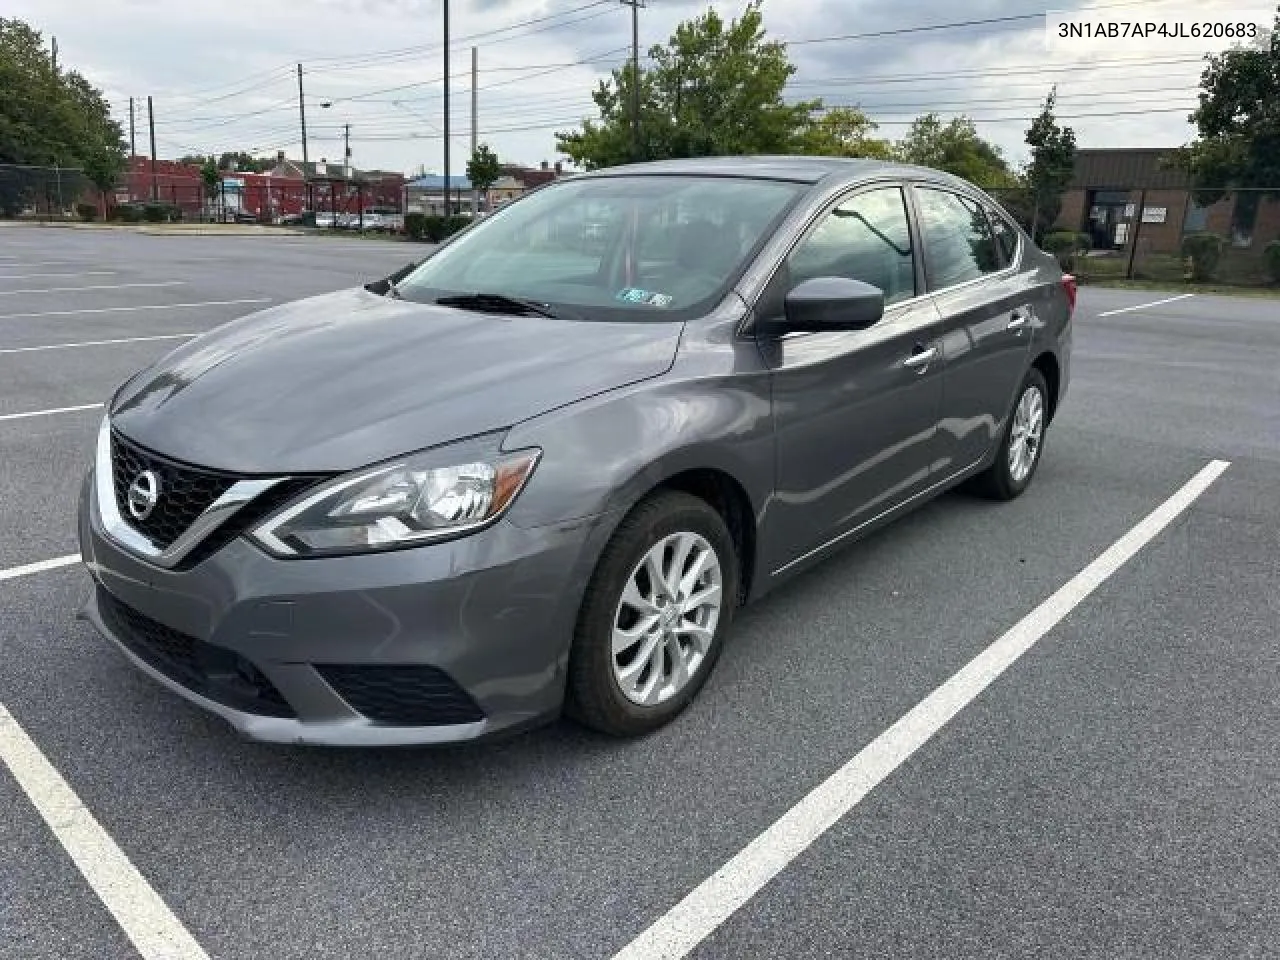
(597, 694)
(1002, 480)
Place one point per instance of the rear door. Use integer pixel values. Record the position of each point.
(982, 303)
(855, 411)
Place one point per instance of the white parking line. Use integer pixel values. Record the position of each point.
(39, 567)
(1143, 306)
(153, 306)
(98, 343)
(143, 916)
(48, 413)
(717, 898)
(33, 276)
(96, 286)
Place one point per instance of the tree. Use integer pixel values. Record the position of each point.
(956, 148)
(51, 117)
(1053, 157)
(843, 132)
(484, 169)
(242, 162)
(1238, 123)
(715, 88)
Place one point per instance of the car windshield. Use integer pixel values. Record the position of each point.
(612, 248)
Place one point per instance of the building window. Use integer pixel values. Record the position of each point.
(1197, 218)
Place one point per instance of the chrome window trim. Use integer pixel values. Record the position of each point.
(118, 529)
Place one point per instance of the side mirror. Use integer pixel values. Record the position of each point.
(383, 286)
(834, 303)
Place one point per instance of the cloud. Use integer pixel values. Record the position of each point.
(223, 77)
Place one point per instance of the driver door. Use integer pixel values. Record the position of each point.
(855, 412)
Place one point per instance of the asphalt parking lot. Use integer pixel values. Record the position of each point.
(1115, 793)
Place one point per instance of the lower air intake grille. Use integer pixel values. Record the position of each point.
(402, 696)
(213, 672)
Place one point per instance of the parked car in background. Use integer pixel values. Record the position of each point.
(530, 474)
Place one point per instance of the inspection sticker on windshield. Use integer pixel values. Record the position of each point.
(632, 295)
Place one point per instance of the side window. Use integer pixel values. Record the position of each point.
(957, 241)
(1006, 235)
(866, 238)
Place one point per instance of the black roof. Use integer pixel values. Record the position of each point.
(800, 169)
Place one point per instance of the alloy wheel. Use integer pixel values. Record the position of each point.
(1026, 435)
(666, 619)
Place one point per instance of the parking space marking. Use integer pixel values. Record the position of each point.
(688, 923)
(34, 276)
(1144, 306)
(143, 916)
(39, 567)
(149, 306)
(99, 343)
(96, 286)
(48, 413)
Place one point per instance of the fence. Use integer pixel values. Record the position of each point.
(1225, 237)
(180, 194)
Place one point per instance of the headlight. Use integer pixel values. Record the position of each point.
(397, 505)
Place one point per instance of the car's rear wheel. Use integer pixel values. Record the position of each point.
(654, 617)
(1022, 443)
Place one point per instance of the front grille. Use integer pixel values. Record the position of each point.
(402, 696)
(213, 672)
(185, 491)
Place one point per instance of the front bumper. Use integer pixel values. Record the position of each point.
(446, 642)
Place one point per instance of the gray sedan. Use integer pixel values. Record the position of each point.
(541, 470)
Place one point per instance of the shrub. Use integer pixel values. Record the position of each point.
(433, 229)
(154, 213)
(127, 213)
(1271, 256)
(87, 211)
(415, 225)
(1066, 246)
(1205, 252)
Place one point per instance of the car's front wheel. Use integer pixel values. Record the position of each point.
(1022, 443)
(654, 616)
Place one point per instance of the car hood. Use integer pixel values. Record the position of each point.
(346, 379)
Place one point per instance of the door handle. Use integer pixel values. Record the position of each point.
(1017, 321)
(921, 359)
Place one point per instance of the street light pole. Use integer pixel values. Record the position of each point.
(635, 6)
(447, 187)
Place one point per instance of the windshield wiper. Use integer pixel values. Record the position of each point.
(498, 303)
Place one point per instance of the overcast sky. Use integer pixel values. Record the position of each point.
(222, 74)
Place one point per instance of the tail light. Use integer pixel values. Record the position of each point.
(1069, 288)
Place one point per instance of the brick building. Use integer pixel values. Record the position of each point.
(1117, 193)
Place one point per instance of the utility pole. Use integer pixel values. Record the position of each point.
(448, 206)
(55, 55)
(635, 6)
(302, 115)
(475, 113)
(151, 122)
(346, 150)
(133, 143)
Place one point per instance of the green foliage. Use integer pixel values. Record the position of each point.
(715, 88)
(1053, 157)
(87, 211)
(1205, 251)
(127, 212)
(956, 148)
(484, 169)
(1066, 245)
(843, 132)
(1237, 121)
(1271, 256)
(433, 229)
(211, 177)
(52, 117)
(241, 162)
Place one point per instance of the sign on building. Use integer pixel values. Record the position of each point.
(1154, 214)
